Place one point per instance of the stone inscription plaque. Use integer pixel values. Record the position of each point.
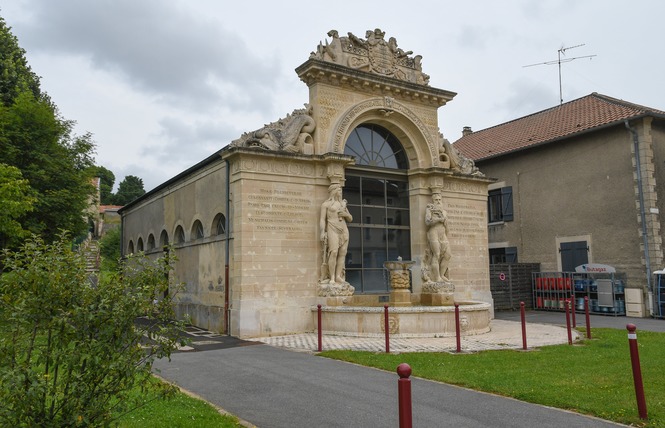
(465, 221)
(279, 210)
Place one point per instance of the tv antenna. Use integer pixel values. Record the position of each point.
(561, 51)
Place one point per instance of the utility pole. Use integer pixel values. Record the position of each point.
(561, 51)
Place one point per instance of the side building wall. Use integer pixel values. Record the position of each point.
(586, 189)
(200, 264)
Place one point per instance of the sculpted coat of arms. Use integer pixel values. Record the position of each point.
(374, 54)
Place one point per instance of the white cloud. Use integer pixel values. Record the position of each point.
(162, 85)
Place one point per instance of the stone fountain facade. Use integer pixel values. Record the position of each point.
(281, 190)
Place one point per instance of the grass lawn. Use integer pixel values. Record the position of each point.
(181, 411)
(592, 377)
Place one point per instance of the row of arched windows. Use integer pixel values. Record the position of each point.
(196, 232)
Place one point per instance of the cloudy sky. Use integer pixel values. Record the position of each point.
(162, 84)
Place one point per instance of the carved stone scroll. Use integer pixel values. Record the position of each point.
(291, 134)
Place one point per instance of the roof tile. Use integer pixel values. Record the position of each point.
(577, 116)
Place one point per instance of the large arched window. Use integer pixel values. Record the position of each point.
(151, 242)
(139, 244)
(377, 193)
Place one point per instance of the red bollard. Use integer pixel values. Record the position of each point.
(637, 371)
(457, 329)
(586, 314)
(318, 316)
(386, 328)
(523, 325)
(404, 396)
(570, 333)
(572, 311)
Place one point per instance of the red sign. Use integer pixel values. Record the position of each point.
(502, 276)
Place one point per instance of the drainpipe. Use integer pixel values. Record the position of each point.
(640, 192)
(227, 256)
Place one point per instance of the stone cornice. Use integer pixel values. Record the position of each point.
(317, 71)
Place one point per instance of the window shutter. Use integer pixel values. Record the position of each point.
(507, 203)
(511, 254)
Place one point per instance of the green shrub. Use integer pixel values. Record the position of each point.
(70, 349)
(109, 249)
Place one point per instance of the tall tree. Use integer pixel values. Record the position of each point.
(41, 144)
(16, 199)
(129, 189)
(15, 73)
(106, 183)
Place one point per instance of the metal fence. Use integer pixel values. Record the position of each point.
(511, 284)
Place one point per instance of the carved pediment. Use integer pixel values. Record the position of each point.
(373, 54)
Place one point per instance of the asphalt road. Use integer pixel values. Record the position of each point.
(272, 387)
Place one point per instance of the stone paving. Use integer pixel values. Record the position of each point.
(503, 335)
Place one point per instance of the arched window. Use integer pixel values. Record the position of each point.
(197, 230)
(219, 225)
(164, 239)
(378, 200)
(373, 145)
(139, 244)
(179, 236)
(151, 242)
(130, 247)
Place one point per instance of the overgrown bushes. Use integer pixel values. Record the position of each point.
(69, 350)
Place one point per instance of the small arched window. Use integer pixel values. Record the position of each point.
(163, 239)
(197, 230)
(139, 244)
(130, 247)
(179, 235)
(151, 242)
(219, 224)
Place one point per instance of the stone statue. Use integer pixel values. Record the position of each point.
(290, 134)
(437, 256)
(334, 235)
(453, 159)
(374, 55)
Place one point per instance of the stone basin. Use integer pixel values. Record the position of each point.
(404, 321)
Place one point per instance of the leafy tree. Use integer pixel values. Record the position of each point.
(36, 140)
(16, 76)
(70, 352)
(16, 199)
(129, 189)
(106, 183)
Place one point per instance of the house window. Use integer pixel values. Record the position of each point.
(500, 205)
(503, 255)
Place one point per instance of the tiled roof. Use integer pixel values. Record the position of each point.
(578, 116)
(103, 208)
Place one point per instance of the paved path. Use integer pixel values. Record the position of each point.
(271, 386)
